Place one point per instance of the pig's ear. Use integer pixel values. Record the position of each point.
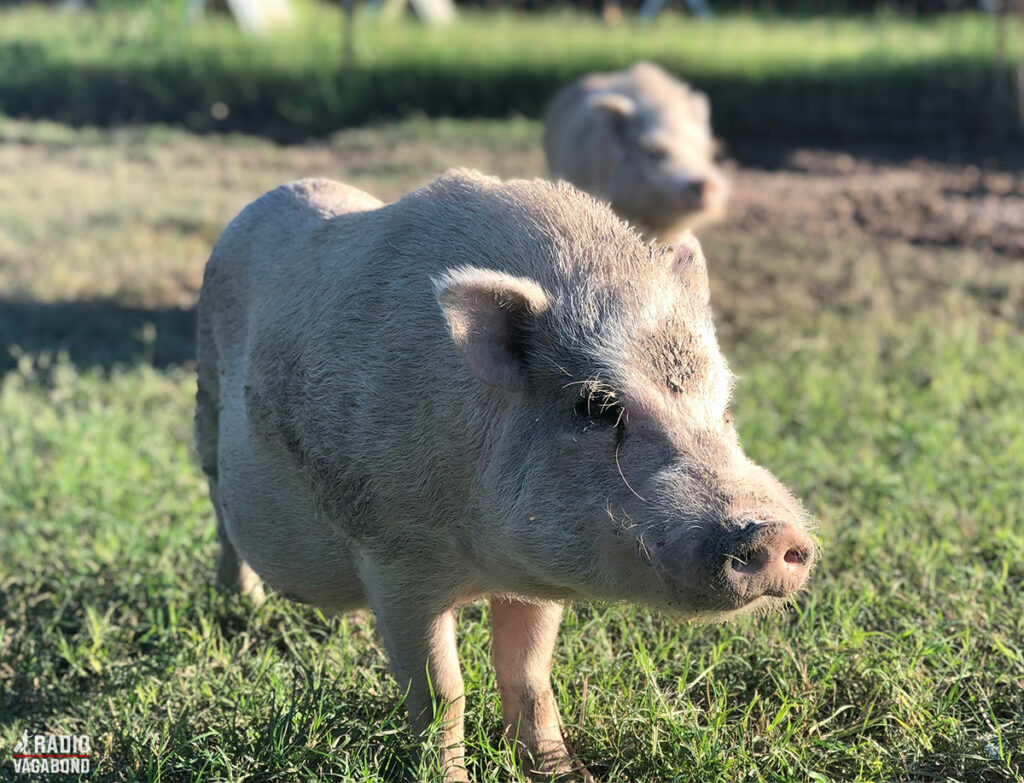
(616, 108)
(690, 268)
(701, 107)
(490, 315)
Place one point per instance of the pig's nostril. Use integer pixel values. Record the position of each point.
(795, 556)
(767, 558)
(695, 188)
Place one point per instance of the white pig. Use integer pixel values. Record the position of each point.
(641, 140)
(484, 389)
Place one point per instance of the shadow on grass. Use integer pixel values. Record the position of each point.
(99, 333)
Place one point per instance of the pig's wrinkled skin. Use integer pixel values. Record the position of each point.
(640, 140)
(483, 389)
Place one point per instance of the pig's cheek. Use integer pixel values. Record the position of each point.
(628, 181)
(657, 179)
(527, 469)
(677, 555)
(575, 473)
(656, 193)
(587, 443)
(620, 554)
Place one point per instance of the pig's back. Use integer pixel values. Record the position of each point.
(271, 241)
(270, 294)
(271, 260)
(260, 313)
(329, 344)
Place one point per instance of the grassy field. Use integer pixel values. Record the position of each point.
(881, 378)
(838, 79)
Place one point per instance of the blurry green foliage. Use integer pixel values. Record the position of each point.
(876, 78)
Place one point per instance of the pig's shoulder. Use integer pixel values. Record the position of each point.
(323, 197)
(293, 211)
(268, 234)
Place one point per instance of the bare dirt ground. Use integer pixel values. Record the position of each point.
(841, 232)
(104, 234)
(926, 203)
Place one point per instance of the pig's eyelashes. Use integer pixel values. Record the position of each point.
(600, 409)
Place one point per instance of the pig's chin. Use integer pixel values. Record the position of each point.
(766, 604)
(670, 225)
(725, 611)
(671, 212)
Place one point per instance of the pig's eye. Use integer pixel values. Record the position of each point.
(599, 408)
(654, 152)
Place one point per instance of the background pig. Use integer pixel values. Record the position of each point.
(483, 389)
(640, 140)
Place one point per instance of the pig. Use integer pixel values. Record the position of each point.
(641, 140)
(482, 390)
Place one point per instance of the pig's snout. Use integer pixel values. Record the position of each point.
(728, 567)
(768, 559)
(705, 191)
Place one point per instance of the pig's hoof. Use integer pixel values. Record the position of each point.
(566, 769)
(250, 585)
(237, 576)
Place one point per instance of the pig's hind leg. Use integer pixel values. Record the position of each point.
(524, 637)
(232, 571)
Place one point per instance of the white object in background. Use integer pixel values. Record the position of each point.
(439, 12)
(432, 12)
(261, 16)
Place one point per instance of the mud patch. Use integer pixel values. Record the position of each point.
(827, 194)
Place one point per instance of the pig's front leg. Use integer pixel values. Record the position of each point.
(421, 646)
(524, 639)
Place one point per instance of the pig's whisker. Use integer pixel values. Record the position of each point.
(642, 552)
(623, 475)
(557, 366)
(621, 523)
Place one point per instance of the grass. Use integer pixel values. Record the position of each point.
(876, 381)
(872, 77)
(904, 660)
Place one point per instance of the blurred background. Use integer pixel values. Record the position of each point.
(868, 286)
(188, 109)
(791, 71)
